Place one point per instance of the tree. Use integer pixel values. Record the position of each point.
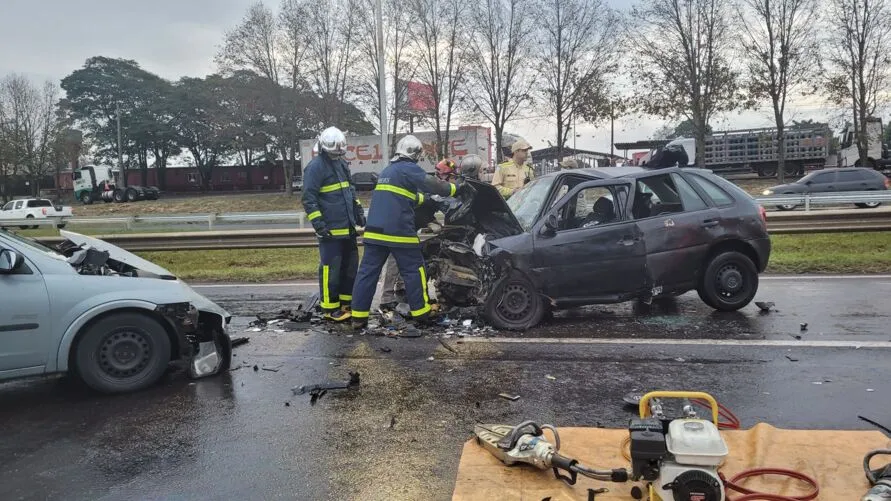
(681, 62)
(502, 38)
(397, 43)
(782, 56)
(578, 51)
(860, 65)
(438, 33)
(254, 44)
(201, 122)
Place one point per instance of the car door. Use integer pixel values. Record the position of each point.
(821, 183)
(678, 226)
(851, 180)
(24, 319)
(591, 254)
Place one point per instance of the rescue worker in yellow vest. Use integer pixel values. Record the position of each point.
(330, 202)
(391, 230)
(512, 175)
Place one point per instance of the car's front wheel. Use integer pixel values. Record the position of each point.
(730, 282)
(122, 352)
(514, 304)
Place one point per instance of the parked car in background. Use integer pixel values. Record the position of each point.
(96, 311)
(365, 181)
(835, 180)
(598, 236)
(297, 183)
(30, 209)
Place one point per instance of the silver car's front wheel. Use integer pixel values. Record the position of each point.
(122, 352)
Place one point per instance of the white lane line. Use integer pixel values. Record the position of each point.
(694, 342)
(825, 277)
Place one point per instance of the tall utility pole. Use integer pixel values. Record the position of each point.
(382, 83)
(612, 131)
(117, 112)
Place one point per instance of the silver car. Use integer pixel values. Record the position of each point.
(111, 318)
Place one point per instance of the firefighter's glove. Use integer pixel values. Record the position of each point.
(360, 218)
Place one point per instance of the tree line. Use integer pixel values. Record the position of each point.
(286, 70)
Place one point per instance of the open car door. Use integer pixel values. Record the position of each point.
(587, 248)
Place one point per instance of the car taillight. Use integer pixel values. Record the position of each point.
(887, 184)
(763, 214)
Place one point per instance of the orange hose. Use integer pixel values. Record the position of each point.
(732, 484)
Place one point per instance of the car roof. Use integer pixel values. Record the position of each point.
(617, 172)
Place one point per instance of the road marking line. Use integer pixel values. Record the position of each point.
(694, 342)
(233, 286)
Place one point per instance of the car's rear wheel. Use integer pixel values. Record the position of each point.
(86, 198)
(730, 282)
(122, 352)
(26, 226)
(118, 196)
(514, 304)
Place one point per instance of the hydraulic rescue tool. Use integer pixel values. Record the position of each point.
(879, 479)
(525, 443)
(678, 457)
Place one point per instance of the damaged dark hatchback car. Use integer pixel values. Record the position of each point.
(598, 236)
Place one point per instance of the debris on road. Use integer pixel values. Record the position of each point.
(552, 378)
(238, 341)
(392, 422)
(386, 349)
(319, 389)
(256, 368)
(764, 306)
(791, 358)
(430, 359)
(512, 398)
(796, 336)
(446, 345)
(803, 326)
(272, 369)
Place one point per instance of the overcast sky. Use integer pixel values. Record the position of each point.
(48, 39)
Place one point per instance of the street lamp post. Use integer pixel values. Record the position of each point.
(382, 83)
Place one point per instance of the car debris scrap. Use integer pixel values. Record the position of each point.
(317, 391)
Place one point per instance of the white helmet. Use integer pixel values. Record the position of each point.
(332, 142)
(409, 147)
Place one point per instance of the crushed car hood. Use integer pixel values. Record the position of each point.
(488, 211)
(118, 254)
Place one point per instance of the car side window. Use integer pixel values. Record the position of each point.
(850, 176)
(8, 206)
(656, 196)
(18, 205)
(691, 200)
(715, 192)
(590, 207)
(826, 177)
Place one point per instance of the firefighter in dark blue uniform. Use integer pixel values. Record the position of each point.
(330, 202)
(391, 229)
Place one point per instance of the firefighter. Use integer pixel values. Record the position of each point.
(330, 202)
(391, 230)
(470, 167)
(512, 175)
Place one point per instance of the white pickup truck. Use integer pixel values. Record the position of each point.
(33, 208)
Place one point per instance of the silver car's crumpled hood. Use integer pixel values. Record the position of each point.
(116, 253)
(130, 259)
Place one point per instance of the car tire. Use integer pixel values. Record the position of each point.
(729, 282)
(122, 352)
(514, 304)
(26, 226)
(118, 196)
(786, 207)
(60, 226)
(131, 195)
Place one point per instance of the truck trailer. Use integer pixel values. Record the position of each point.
(751, 150)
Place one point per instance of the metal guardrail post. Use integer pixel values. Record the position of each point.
(300, 218)
(211, 219)
(807, 202)
(129, 223)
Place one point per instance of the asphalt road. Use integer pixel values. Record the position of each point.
(243, 435)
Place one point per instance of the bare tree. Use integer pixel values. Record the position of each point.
(681, 61)
(501, 42)
(330, 40)
(397, 43)
(254, 44)
(292, 21)
(577, 54)
(8, 160)
(438, 32)
(782, 52)
(860, 58)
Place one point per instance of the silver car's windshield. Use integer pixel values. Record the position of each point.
(526, 203)
(33, 244)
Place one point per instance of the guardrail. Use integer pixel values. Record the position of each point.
(824, 199)
(777, 224)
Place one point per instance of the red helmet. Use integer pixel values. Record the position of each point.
(445, 168)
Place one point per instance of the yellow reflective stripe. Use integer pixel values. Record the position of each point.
(420, 198)
(313, 215)
(418, 313)
(369, 235)
(334, 187)
(344, 297)
(326, 298)
(330, 306)
(358, 202)
(424, 285)
(397, 190)
(340, 232)
(452, 189)
(360, 314)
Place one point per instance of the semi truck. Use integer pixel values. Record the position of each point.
(98, 182)
(750, 150)
(878, 156)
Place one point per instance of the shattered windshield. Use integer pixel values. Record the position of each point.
(33, 244)
(526, 203)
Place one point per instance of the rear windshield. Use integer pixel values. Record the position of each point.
(39, 203)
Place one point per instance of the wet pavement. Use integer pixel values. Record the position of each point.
(244, 435)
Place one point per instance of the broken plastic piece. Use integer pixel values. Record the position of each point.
(803, 326)
(331, 385)
(467, 323)
(238, 341)
(403, 309)
(552, 378)
(512, 398)
(764, 306)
